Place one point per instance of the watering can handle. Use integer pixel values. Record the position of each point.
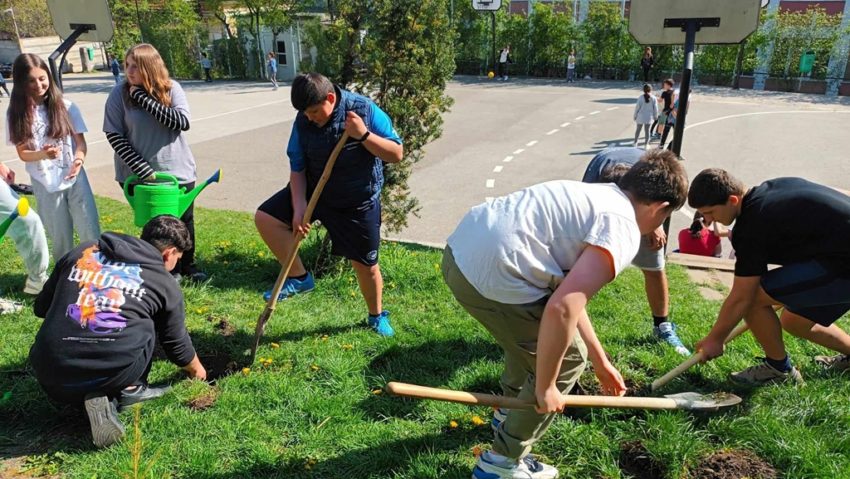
(133, 179)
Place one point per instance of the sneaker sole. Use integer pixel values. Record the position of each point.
(106, 429)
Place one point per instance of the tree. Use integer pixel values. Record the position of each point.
(216, 7)
(403, 63)
(174, 28)
(31, 16)
(126, 23)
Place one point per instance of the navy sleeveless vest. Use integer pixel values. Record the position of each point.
(358, 175)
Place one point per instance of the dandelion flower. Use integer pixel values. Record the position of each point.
(347, 347)
(477, 420)
(275, 345)
(246, 371)
(377, 392)
(314, 367)
(452, 424)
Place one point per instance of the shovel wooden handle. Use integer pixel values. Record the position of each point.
(691, 361)
(290, 258)
(480, 399)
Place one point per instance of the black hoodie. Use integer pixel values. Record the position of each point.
(103, 307)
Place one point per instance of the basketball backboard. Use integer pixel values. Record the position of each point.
(486, 5)
(68, 15)
(658, 22)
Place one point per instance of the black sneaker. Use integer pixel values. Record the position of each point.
(142, 392)
(193, 274)
(106, 429)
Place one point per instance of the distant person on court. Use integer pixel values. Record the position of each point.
(504, 60)
(646, 111)
(206, 64)
(571, 67)
(3, 86)
(804, 228)
(609, 166)
(350, 204)
(105, 306)
(667, 99)
(145, 120)
(116, 69)
(670, 123)
(526, 265)
(647, 61)
(271, 69)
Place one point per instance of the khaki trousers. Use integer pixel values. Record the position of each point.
(515, 328)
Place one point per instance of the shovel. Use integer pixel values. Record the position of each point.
(284, 272)
(686, 401)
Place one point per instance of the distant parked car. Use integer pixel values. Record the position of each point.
(6, 70)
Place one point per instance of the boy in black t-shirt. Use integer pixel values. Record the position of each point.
(801, 226)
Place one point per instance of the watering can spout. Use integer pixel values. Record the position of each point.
(188, 197)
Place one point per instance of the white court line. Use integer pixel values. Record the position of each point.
(579, 117)
(612, 108)
(739, 115)
(508, 159)
(488, 198)
(552, 132)
(498, 169)
(217, 115)
(490, 183)
(519, 151)
(564, 125)
(531, 143)
(594, 112)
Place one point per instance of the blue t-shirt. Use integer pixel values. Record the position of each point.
(378, 122)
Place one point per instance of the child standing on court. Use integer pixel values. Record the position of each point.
(47, 132)
(350, 205)
(271, 69)
(646, 111)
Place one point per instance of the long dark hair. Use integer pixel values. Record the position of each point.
(646, 89)
(697, 226)
(20, 116)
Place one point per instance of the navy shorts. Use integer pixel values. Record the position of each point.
(810, 289)
(355, 232)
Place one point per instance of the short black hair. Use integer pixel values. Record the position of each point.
(658, 176)
(613, 173)
(310, 89)
(712, 187)
(166, 231)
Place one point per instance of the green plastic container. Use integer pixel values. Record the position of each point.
(164, 196)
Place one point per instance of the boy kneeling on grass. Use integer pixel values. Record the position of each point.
(525, 266)
(104, 305)
(805, 228)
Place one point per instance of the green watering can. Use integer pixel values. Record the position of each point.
(22, 210)
(163, 197)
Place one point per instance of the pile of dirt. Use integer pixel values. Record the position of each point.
(204, 401)
(733, 465)
(222, 325)
(637, 462)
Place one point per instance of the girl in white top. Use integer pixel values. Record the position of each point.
(47, 132)
(646, 111)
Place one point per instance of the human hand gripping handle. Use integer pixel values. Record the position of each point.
(354, 125)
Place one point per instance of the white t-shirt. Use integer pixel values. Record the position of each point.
(51, 173)
(571, 62)
(503, 56)
(516, 249)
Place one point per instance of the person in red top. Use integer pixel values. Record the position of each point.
(698, 239)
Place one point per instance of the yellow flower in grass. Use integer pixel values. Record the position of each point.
(246, 371)
(453, 424)
(314, 367)
(476, 451)
(377, 392)
(324, 337)
(477, 421)
(348, 347)
(275, 345)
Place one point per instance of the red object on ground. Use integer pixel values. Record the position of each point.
(704, 245)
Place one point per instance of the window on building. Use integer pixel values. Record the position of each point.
(281, 53)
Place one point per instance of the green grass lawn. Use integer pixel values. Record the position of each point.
(316, 410)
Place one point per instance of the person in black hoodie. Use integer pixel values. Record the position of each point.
(104, 305)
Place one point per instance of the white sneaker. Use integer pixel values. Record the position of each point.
(493, 466)
(7, 306)
(34, 287)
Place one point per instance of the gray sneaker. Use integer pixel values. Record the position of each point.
(106, 428)
(7, 306)
(763, 374)
(839, 363)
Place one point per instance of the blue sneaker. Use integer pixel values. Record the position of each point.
(381, 324)
(293, 286)
(667, 332)
(499, 415)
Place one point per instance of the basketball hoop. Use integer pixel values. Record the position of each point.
(486, 5)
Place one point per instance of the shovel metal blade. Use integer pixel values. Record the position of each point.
(704, 402)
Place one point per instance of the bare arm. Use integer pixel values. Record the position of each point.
(561, 318)
(298, 190)
(46, 153)
(734, 308)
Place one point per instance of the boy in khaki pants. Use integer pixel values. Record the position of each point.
(526, 265)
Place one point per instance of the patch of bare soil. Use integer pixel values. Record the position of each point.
(733, 465)
(638, 463)
(205, 400)
(222, 325)
(219, 366)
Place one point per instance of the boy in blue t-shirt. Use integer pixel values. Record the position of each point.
(349, 207)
